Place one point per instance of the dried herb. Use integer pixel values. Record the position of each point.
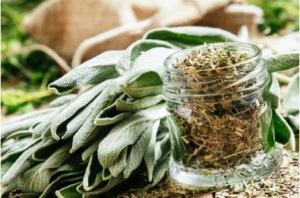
(222, 131)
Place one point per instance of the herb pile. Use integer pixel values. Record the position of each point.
(113, 131)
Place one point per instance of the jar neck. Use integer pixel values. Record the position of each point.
(243, 78)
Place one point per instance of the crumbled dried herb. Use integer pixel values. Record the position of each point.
(220, 121)
(282, 183)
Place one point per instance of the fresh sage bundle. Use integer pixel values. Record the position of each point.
(115, 129)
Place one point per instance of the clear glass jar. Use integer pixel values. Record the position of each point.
(219, 121)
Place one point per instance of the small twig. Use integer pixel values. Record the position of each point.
(104, 36)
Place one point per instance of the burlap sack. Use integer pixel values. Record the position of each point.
(63, 25)
(233, 16)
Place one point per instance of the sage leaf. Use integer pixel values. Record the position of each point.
(291, 98)
(126, 133)
(145, 76)
(62, 100)
(110, 115)
(90, 150)
(149, 156)
(137, 152)
(283, 132)
(72, 165)
(136, 105)
(37, 178)
(106, 175)
(57, 158)
(17, 148)
(64, 179)
(93, 174)
(267, 128)
(102, 188)
(77, 122)
(191, 36)
(104, 121)
(8, 188)
(161, 146)
(34, 114)
(148, 84)
(151, 60)
(272, 92)
(25, 124)
(109, 94)
(140, 46)
(136, 49)
(68, 191)
(23, 163)
(8, 162)
(7, 145)
(176, 144)
(282, 62)
(121, 136)
(34, 180)
(73, 107)
(43, 127)
(94, 71)
(119, 165)
(19, 134)
(42, 153)
(159, 172)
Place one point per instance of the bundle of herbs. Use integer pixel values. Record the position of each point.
(114, 130)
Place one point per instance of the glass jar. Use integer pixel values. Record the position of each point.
(220, 123)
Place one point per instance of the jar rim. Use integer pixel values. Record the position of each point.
(257, 54)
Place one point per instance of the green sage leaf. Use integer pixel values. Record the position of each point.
(126, 133)
(267, 128)
(85, 133)
(282, 62)
(25, 124)
(102, 188)
(94, 71)
(93, 174)
(272, 92)
(136, 105)
(148, 84)
(62, 180)
(110, 115)
(291, 98)
(137, 151)
(119, 165)
(159, 171)
(62, 100)
(283, 132)
(191, 36)
(72, 108)
(149, 156)
(23, 163)
(68, 191)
